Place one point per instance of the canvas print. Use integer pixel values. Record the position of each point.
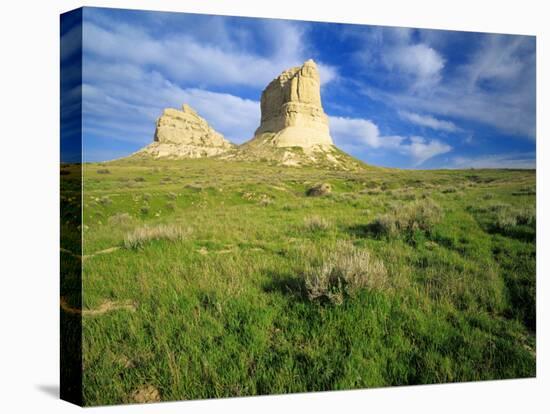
(255, 206)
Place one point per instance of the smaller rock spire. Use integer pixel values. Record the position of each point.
(184, 134)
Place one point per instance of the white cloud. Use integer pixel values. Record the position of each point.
(418, 60)
(327, 73)
(422, 150)
(429, 121)
(395, 55)
(126, 97)
(235, 117)
(71, 42)
(497, 60)
(131, 75)
(183, 58)
(512, 160)
(365, 133)
(356, 131)
(495, 87)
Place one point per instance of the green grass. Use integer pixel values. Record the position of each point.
(223, 309)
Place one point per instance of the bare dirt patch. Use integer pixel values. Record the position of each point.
(88, 256)
(145, 394)
(105, 307)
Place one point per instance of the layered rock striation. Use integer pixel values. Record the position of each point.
(292, 113)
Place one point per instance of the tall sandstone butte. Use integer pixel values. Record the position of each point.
(292, 113)
(184, 134)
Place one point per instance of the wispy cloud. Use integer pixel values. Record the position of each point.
(184, 58)
(412, 62)
(406, 96)
(133, 71)
(496, 87)
(365, 133)
(429, 121)
(131, 98)
(422, 149)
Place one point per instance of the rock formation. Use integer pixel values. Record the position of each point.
(292, 114)
(294, 129)
(184, 134)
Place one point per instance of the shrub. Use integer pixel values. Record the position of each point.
(144, 210)
(265, 201)
(508, 218)
(527, 216)
(419, 215)
(386, 225)
(342, 273)
(64, 172)
(525, 191)
(105, 201)
(139, 179)
(120, 219)
(389, 186)
(373, 191)
(142, 235)
(316, 223)
(449, 190)
(103, 171)
(497, 207)
(319, 190)
(194, 187)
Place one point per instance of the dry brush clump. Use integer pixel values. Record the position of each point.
(316, 223)
(120, 220)
(419, 215)
(105, 200)
(508, 218)
(527, 216)
(265, 200)
(343, 272)
(142, 235)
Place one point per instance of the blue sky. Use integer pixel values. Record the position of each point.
(396, 97)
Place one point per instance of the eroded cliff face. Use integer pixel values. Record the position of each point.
(292, 113)
(184, 134)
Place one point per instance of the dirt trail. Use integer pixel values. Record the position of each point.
(88, 256)
(105, 307)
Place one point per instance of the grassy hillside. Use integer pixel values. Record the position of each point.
(208, 278)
